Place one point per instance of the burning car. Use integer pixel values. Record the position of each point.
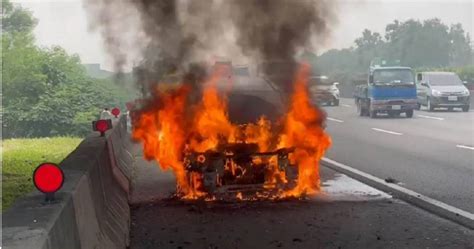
(217, 150)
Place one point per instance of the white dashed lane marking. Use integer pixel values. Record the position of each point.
(346, 105)
(430, 117)
(388, 132)
(335, 120)
(464, 147)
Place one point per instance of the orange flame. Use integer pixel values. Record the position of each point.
(303, 130)
(211, 123)
(161, 128)
(170, 126)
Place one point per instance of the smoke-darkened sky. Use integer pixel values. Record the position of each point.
(65, 23)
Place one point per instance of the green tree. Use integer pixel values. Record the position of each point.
(369, 40)
(47, 91)
(429, 44)
(16, 19)
(460, 50)
(369, 46)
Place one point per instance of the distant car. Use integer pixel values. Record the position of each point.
(441, 89)
(324, 90)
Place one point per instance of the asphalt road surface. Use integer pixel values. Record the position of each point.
(347, 214)
(431, 153)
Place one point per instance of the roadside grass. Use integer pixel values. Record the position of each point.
(22, 156)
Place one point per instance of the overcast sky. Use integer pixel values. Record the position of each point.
(64, 22)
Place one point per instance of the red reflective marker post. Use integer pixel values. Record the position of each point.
(116, 112)
(48, 178)
(102, 125)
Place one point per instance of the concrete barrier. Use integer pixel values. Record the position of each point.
(90, 211)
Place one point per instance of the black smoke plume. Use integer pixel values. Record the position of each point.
(182, 35)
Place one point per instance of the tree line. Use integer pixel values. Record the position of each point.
(46, 91)
(428, 44)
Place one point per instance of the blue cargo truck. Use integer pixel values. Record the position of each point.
(389, 89)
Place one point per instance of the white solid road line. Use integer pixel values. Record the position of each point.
(465, 147)
(346, 105)
(389, 132)
(335, 120)
(412, 195)
(430, 117)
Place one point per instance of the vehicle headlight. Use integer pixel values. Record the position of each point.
(465, 93)
(436, 93)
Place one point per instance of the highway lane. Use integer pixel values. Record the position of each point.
(432, 153)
